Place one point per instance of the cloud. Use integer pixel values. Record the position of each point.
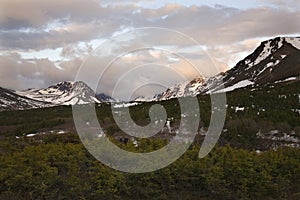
(222, 25)
(38, 14)
(18, 73)
(47, 24)
(75, 50)
(50, 24)
(234, 52)
(284, 3)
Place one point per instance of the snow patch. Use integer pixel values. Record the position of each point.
(239, 109)
(296, 111)
(283, 56)
(293, 41)
(125, 105)
(240, 84)
(264, 54)
(287, 79)
(31, 135)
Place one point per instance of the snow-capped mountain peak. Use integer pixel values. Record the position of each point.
(63, 93)
(188, 88)
(267, 48)
(273, 60)
(105, 98)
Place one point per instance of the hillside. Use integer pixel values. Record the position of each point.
(273, 61)
(43, 158)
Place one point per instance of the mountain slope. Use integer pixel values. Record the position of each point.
(274, 60)
(105, 98)
(182, 89)
(63, 93)
(9, 100)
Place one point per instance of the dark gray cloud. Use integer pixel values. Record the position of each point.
(18, 73)
(47, 24)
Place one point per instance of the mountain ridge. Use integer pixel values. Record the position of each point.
(274, 60)
(9, 100)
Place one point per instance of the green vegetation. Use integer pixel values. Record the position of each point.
(57, 166)
(63, 169)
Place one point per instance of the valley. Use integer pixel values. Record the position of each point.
(257, 154)
(42, 156)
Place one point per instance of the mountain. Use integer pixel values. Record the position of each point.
(9, 100)
(182, 89)
(273, 61)
(63, 93)
(178, 90)
(105, 98)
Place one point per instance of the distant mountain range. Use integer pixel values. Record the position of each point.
(274, 61)
(63, 93)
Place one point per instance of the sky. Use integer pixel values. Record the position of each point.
(109, 43)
